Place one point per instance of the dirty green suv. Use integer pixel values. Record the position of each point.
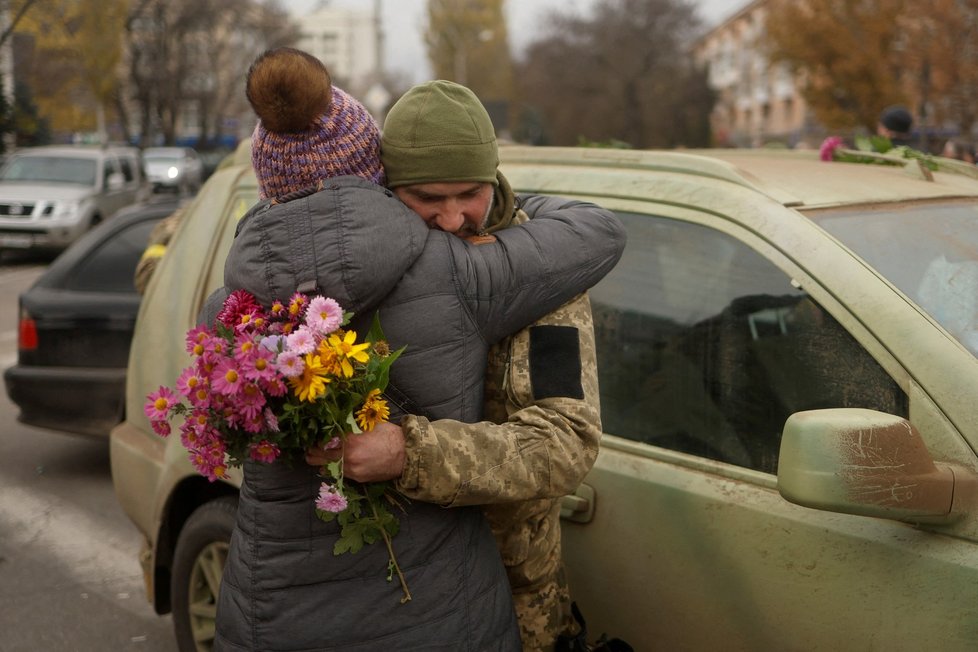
(787, 356)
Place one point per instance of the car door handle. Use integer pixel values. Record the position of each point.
(578, 506)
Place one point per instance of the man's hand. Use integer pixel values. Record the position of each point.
(371, 456)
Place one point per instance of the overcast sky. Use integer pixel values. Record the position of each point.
(404, 21)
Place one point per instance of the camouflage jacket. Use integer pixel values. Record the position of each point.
(540, 440)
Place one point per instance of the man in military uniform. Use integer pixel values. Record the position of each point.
(543, 416)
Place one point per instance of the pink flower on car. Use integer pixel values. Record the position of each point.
(826, 151)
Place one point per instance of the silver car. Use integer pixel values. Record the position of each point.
(51, 195)
(173, 168)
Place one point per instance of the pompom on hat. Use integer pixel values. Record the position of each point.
(308, 129)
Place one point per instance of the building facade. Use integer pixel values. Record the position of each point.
(758, 103)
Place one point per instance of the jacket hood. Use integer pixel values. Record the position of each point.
(351, 241)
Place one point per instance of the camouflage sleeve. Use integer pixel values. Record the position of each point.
(547, 444)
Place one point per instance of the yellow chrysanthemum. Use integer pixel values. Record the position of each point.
(311, 384)
(374, 411)
(330, 360)
(347, 350)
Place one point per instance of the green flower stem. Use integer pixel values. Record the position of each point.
(390, 552)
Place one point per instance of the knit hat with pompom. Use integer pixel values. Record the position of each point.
(308, 129)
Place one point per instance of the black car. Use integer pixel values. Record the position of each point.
(76, 325)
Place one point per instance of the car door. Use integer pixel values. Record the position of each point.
(115, 191)
(709, 336)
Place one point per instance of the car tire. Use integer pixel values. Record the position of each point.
(198, 564)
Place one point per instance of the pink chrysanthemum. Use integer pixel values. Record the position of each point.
(302, 341)
(274, 386)
(238, 303)
(290, 364)
(158, 404)
(265, 451)
(324, 315)
(190, 382)
(297, 306)
(259, 365)
(195, 339)
(250, 401)
(226, 378)
(161, 428)
(329, 500)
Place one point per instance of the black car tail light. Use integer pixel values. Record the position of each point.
(26, 333)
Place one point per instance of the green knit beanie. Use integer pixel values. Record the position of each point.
(438, 132)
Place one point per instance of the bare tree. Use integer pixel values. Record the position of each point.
(621, 74)
(191, 55)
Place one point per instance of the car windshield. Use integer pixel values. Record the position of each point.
(52, 169)
(929, 251)
(161, 158)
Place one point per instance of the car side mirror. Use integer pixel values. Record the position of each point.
(870, 463)
(115, 181)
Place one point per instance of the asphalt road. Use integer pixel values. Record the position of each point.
(69, 575)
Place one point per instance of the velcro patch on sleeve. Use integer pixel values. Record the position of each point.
(555, 362)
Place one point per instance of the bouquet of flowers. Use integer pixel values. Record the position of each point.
(264, 384)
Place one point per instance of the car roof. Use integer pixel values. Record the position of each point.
(171, 151)
(796, 178)
(93, 151)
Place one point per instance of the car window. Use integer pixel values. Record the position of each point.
(110, 266)
(111, 166)
(127, 169)
(706, 347)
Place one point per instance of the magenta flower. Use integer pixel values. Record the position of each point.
(324, 315)
(226, 378)
(158, 404)
(258, 365)
(190, 382)
(161, 428)
(329, 500)
(195, 339)
(265, 451)
(250, 401)
(826, 151)
(237, 304)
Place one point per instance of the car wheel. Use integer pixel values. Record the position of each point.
(198, 564)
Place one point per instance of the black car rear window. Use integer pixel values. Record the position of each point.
(110, 266)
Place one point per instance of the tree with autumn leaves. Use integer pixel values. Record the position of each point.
(854, 58)
(137, 64)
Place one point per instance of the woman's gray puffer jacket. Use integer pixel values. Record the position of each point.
(447, 300)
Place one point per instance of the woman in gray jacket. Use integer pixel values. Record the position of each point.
(325, 225)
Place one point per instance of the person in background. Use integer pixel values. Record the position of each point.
(896, 123)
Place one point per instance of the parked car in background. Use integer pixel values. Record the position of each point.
(177, 169)
(787, 366)
(51, 195)
(75, 328)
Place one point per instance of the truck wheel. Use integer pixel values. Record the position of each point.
(198, 563)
